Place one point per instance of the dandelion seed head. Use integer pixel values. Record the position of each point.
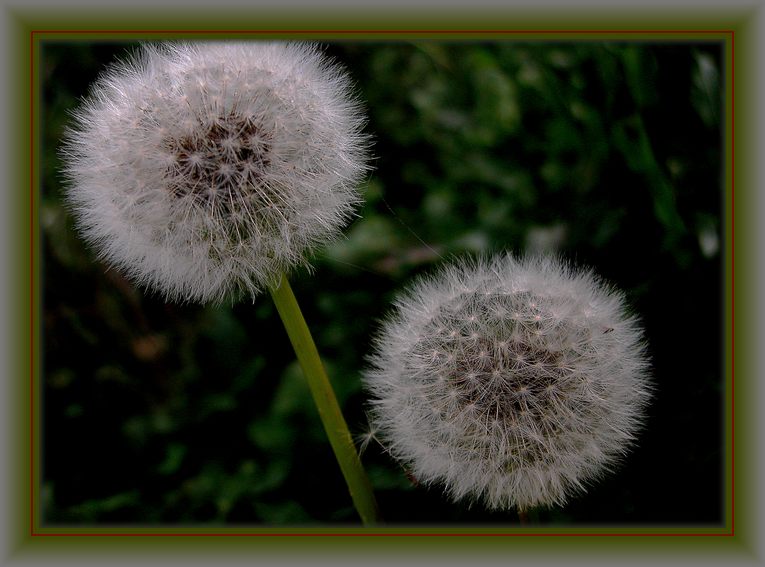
(540, 402)
(204, 170)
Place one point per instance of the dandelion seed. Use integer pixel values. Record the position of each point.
(530, 422)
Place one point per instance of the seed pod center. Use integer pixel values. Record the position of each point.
(502, 355)
(221, 165)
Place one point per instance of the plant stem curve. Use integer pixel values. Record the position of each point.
(326, 402)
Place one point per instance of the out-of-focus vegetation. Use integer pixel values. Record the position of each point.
(608, 153)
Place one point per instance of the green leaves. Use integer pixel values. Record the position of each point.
(632, 141)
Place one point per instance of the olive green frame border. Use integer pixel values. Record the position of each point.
(735, 27)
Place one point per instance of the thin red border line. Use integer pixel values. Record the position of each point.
(732, 286)
(32, 282)
(388, 32)
(508, 32)
(378, 534)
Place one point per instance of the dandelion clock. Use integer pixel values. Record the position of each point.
(206, 171)
(513, 382)
(202, 170)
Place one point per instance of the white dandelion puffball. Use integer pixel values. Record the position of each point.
(203, 170)
(512, 382)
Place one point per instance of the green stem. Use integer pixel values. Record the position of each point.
(326, 402)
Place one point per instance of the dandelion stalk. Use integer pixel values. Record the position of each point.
(326, 402)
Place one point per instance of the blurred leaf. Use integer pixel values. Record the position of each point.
(293, 395)
(368, 238)
(173, 459)
(283, 513)
(271, 435)
(640, 71)
(632, 141)
(93, 510)
(705, 95)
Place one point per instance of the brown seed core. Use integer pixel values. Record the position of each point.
(513, 372)
(221, 164)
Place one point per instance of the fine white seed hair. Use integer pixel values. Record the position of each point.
(513, 382)
(206, 170)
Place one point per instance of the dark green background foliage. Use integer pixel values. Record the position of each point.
(609, 153)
